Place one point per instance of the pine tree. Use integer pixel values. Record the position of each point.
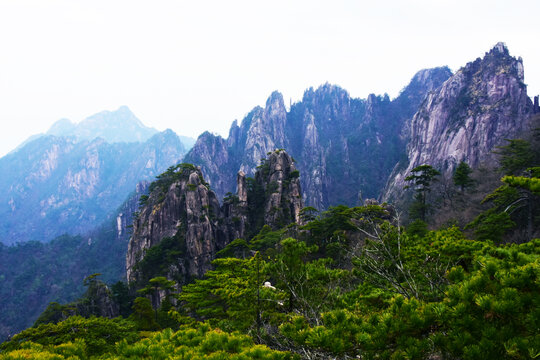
(421, 177)
(462, 176)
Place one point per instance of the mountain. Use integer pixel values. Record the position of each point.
(56, 185)
(465, 119)
(113, 126)
(345, 147)
(181, 225)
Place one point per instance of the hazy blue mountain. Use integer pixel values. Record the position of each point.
(113, 126)
(57, 184)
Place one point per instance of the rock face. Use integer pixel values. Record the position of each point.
(345, 148)
(57, 185)
(282, 200)
(484, 103)
(181, 225)
(180, 207)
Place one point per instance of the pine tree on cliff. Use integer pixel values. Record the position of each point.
(421, 178)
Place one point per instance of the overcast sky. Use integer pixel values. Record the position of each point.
(197, 65)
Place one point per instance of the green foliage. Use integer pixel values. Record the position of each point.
(309, 213)
(515, 157)
(514, 204)
(412, 266)
(488, 311)
(198, 343)
(491, 225)
(89, 304)
(231, 198)
(492, 313)
(531, 184)
(98, 334)
(172, 174)
(294, 174)
(421, 178)
(417, 228)
(237, 248)
(143, 200)
(122, 297)
(462, 176)
(266, 239)
(55, 313)
(159, 257)
(226, 296)
(390, 294)
(153, 288)
(143, 315)
(309, 287)
(256, 198)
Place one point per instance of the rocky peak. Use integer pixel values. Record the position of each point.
(181, 226)
(484, 103)
(182, 209)
(344, 146)
(275, 116)
(278, 178)
(426, 80)
(500, 48)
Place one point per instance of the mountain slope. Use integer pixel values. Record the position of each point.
(181, 225)
(56, 185)
(33, 273)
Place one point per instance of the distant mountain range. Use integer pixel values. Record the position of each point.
(70, 179)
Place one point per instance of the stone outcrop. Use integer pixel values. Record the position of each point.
(345, 147)
(181, 207)
(465, 119)
(278, 178)
(182, 224)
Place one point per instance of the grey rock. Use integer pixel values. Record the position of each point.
(344, 147)
(465, 119)
(182, 207)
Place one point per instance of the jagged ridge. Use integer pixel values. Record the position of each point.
(345, 147)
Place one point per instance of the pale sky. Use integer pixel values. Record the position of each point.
(198, 65)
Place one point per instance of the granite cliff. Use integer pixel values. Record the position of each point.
(181, 225)
(345, 147)
(474, 111)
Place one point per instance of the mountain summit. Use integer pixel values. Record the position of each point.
(344, 147)
(465, 119)
(113, 126)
